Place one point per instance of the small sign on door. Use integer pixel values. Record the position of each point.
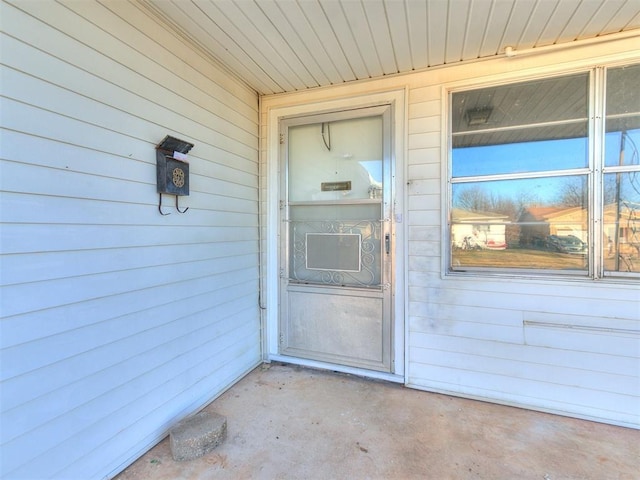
(335, 186)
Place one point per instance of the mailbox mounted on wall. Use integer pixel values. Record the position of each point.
(172, 170)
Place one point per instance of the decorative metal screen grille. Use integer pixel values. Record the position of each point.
(339, 267)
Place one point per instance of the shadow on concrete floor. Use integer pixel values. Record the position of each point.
(288, 422)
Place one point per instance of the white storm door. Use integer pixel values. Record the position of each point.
(335, 251)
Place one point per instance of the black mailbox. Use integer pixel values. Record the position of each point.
(172, 173)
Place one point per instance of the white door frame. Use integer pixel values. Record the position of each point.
(397, 99)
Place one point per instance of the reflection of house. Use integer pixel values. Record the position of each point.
(482, 229)
(537, 223)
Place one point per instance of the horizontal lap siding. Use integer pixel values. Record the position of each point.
(117, 321)
(568, 347)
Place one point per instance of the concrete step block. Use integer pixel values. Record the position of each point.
(197, 435)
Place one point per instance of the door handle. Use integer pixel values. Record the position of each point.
(387, 243)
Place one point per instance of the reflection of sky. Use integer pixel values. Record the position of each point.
(629, 182)
(629, 187)
(543, 156)
(374, 168)
(520, 157)
(631, 147)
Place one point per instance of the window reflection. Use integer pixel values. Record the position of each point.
(621, 147)
(621, 224)
(513, 131)
(526, 223)
(526, 167)
(621, 187)
(520, 157)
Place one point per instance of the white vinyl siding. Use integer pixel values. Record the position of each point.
(116, 321)
(565, 346)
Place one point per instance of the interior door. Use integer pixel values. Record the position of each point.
(336, 235)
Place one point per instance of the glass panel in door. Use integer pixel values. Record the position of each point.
(335, 199)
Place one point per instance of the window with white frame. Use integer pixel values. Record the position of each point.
(544, 175)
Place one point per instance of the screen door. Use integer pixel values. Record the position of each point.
(335, 250)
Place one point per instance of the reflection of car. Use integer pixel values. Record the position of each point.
(567, 244)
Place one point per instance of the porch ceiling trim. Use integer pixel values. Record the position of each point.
(289, 45)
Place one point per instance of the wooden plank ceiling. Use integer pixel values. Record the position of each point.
(287, 45)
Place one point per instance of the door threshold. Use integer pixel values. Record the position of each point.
(360, 372)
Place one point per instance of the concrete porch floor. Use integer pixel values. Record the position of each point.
(288, 422)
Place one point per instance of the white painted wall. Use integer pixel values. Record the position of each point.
(117, 321)
(570, 347)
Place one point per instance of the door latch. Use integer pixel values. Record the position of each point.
(387, 243)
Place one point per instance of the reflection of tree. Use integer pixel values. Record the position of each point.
(473, 199)
(572, 194)
(477, 198)
(609, 189)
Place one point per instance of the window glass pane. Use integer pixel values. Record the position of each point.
(622, 222)
(528, 224)
(524, 127)
(520, 157)
(621, 190)
(621, 147)
(623, 116)
(339, 160)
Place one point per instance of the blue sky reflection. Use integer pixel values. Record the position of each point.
(520, 157)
